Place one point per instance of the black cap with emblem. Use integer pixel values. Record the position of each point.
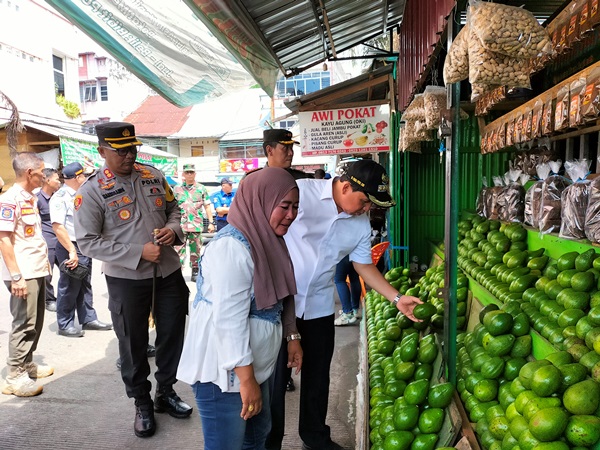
(371, 178)
(116, 134)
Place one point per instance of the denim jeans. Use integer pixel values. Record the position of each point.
(349, 298)
(222, 425)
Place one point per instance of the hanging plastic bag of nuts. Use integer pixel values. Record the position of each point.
(575, 200)
(533, 196)
(456, 64)
(509, 30)
(493, 68)
(435, 101)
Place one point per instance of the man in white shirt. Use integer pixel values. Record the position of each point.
(331, 224)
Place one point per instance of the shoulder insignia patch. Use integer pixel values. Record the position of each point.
(77, 201)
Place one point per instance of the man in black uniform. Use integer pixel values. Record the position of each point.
(127, 217)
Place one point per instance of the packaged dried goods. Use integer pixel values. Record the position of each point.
(493, 68)
(527, 121)
(518, 133)
(479, 89)
(415, 110)
(501, 136)
(548, 117)
(551, 200)
(575, 200)
(435, 101)
(594, 13)
(584, 16)
(561, 114)
(590, 105)
(456, 64)
(536, 119)
(576, 94)
(592, 215)
(573, 33)
(511, 201)
(494, 192)
(509, 30)
(510, 131)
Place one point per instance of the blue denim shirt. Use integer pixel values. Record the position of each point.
(272, 314)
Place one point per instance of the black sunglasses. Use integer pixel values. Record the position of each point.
(123, 151)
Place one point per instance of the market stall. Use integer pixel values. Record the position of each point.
(512, 286)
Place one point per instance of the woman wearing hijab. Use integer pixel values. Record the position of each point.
(245, 297)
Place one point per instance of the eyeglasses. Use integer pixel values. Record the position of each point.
(122, 152)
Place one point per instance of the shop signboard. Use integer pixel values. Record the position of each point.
(238, 165)
(357, 129)
(86, 153)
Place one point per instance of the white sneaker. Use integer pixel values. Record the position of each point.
(38, 370)
(345, 319)
(356, 313)
(21, 385)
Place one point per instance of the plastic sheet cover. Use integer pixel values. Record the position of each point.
(167, 46)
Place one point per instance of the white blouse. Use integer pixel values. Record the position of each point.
(220, 334)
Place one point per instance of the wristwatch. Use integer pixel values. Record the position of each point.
(294, 337)
(16, 277)
(396, 299)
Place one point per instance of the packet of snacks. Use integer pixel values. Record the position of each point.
(548, 117)
(576, 94)
(435, 101)
(509, 30)
(536, 119)
(590, 105)
(561, 110)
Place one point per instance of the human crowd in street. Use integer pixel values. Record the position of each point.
(264, 301)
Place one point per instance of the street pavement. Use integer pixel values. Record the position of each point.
(84, 405)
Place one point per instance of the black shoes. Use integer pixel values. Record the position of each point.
(290, 387)
(144, 424)
(51, 306)
(166, 400)
(194, 274)
(71, 332)
(97, 325)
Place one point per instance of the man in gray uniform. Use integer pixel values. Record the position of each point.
(127, 217)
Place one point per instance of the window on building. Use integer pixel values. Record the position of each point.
(103, 91)
(303, 84)
(240, 150)
(59, 75)
(197, 150)
(87, 91)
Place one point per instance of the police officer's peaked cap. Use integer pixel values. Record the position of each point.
(279, 135)
(116, 134)
(72, 170)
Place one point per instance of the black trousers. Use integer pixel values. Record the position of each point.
(130, 303)
(318, 338)
(278, 384)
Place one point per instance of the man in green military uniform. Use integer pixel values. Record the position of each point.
(191, 197)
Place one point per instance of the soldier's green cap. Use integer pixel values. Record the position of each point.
(189, 167)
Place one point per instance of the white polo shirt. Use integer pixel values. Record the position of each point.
(317, 240)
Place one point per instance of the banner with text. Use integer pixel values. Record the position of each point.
(363, 129)
(86, 153)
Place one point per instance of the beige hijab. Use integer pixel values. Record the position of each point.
(250, 211)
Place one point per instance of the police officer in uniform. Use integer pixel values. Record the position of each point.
(73, 294)
(126, 216)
